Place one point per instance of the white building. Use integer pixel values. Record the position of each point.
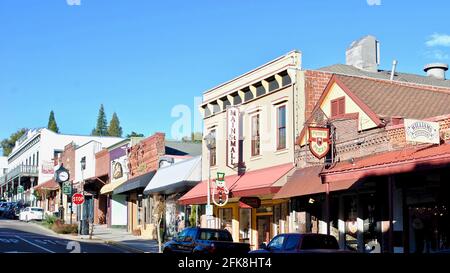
(31, 160)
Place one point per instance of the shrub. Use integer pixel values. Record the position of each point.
(61, 228)
(49, 220)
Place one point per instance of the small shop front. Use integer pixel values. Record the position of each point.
(250, 215)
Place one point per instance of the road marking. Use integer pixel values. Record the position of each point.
(41, 247)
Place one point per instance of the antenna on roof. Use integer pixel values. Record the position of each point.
(394, 66)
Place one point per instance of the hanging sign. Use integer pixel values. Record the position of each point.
(319, 141)
(220, 189)
(232, 137)
(422, 131)
(250, 202)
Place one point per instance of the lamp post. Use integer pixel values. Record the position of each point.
(210, 140)
(82, 216)
(32, 197)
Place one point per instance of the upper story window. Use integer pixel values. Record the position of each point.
(273, 84)
(285, 79)
(248, 95)
(281, 127)
(255, 135)
(260, 90)
(338, 107)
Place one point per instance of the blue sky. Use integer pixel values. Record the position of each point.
(141, 58)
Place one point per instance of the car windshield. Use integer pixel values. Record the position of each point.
(319, 242)
(214, 235)
(37, 209)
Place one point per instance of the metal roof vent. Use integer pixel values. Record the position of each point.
(436, 70)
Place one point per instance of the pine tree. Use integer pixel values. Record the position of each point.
(102, 125)
(52, 126)
(114, 128)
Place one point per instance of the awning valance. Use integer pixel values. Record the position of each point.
(391, 163)
(109, 188)
(307, 181)
(48, 185)
(254, 183)
(136, 183)
(175, 178)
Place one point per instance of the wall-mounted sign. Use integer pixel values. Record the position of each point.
(319, 141)
(220, 189)
(232, 137)
(422, 131)
(250, 202)
(48, 167)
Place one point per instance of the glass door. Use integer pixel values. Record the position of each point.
(263, 228)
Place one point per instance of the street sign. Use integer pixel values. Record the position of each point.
(209, 210)
(67, 188)
(20, 189)
(78, 199)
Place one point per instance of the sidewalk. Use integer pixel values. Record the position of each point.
(121, 238)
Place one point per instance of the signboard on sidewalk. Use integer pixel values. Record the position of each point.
(422, 131)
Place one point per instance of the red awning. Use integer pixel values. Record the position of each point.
(253, 183)
(390, 163)
(307, 181)
(49, 185)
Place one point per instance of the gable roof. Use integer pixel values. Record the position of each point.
(387, 98)
(385, 74)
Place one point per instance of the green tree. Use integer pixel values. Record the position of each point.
(134, 134)
(114, 128)
(9, 143)
(52, 126)
(102, 125)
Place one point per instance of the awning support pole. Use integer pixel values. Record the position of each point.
(328, 208)
(391, 213)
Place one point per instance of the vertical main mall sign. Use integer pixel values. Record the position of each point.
(232, 137)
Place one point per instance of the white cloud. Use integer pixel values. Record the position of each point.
(374, 2)
(73, 2)
(438, 40)
(438, 55)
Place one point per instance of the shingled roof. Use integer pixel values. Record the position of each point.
(349, 70)
(390, 98)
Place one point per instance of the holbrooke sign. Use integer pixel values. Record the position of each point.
(319, 141)
(232, 137)
(422, 131)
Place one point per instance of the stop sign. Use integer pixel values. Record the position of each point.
(78, 199)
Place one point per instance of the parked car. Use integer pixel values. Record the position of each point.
(31, 213)
(205, 241)
(9, 211)
(301, 243)
(3, 207)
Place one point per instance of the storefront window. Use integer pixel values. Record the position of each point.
(226, 219)
(245, 219)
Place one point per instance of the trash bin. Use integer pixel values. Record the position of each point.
(84, 227)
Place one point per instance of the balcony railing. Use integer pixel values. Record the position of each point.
(23, 170)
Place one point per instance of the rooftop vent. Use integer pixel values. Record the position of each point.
(364, 54)
(436, 70)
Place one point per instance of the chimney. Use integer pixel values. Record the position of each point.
(364, 54)
(436, 70)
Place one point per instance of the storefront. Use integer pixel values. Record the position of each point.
(250, 214)
(171, 182)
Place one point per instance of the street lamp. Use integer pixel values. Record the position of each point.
(210, 141)
(32, 197)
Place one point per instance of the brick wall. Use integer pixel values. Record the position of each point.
(102, 163)
(144, 156)
(315, 84)
(68, 159)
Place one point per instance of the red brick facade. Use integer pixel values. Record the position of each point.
(102, 163)
(315, 83)
(144, 156)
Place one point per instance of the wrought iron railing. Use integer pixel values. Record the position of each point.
(23, 170)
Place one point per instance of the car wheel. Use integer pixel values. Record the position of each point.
(167, 251)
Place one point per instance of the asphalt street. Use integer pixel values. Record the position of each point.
(21, 237)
